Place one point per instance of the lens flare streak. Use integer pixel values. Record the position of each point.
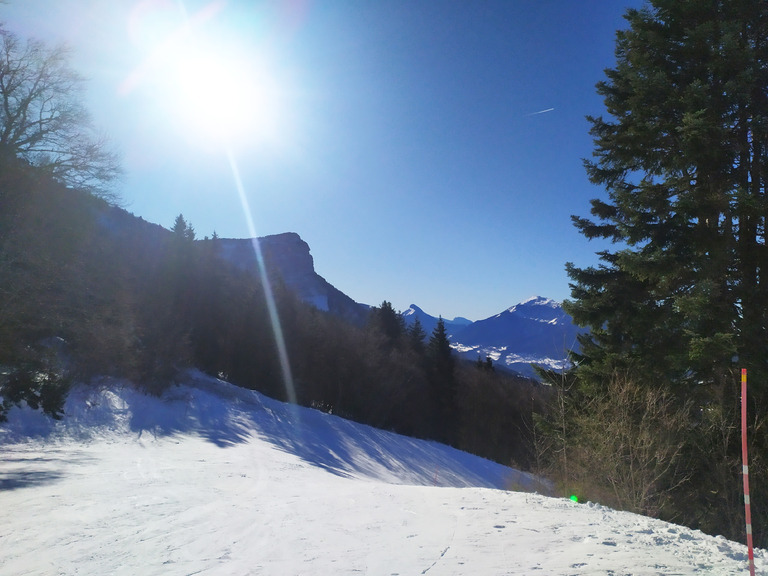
(277, 328)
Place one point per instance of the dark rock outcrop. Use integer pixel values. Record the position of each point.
(288, 256)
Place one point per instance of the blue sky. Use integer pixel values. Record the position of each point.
(400, 139)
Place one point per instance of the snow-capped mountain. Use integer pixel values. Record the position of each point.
(537, 331)
(429, 322)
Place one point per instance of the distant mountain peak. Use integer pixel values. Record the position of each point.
(413, 309)
(537, 308)
(429, 322)
(536, 331)
(536, 301)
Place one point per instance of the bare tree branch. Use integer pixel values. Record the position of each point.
(43, 121)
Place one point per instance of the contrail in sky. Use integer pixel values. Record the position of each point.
(540, 112)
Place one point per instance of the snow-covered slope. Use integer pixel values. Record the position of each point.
(212, 479)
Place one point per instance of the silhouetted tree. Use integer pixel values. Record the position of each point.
(43, 120)
(183, 231)
(486, 365)
(417, 337)
(440, 370)
(389, 322)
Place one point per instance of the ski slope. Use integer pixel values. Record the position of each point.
(212, 479)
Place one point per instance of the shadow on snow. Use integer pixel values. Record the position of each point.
(227, 415)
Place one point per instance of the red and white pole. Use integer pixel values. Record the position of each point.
(745, 471)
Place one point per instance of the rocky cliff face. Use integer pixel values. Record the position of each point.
(288, 256)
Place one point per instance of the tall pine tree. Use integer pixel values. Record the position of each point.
(682, 155)
(389, 322)
(416, 336)
(442, 380)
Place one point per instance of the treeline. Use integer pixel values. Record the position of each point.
(89, 290)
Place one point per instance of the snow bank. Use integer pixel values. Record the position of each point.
(225, 415)
(212, 479)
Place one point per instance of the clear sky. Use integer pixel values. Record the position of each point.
(429, 152)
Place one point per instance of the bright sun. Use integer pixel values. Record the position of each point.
(223, 96)
(216, 89)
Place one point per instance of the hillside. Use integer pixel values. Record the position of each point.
(90, 290)
(212, 479)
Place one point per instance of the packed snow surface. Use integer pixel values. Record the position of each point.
(213, 479)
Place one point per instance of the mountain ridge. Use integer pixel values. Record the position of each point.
(534, 331)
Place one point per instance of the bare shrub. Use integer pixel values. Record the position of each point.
(623, 447)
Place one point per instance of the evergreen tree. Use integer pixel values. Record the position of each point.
(485, 365)
(389, 322)
(168, 313)
(683, 157)
(440, 372)
(183, 230)
(440, 352)
(417, 336)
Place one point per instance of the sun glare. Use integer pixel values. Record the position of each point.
(215, 90)
(223, 97)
